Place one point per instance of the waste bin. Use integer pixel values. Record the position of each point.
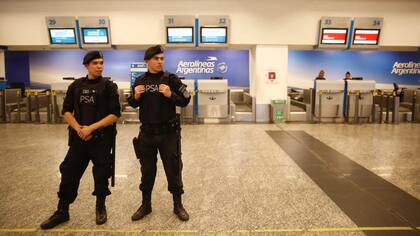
(278, 110)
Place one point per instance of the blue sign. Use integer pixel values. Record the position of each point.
(383, 67)
(137, 69)
(180, 39)
(232, 65)
(213, 39)
(124, 65)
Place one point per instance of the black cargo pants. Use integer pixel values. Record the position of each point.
(76, 162)
(168, 145)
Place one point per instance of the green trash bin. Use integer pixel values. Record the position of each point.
(278, 110)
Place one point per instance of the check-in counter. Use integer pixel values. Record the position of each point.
(329, 100)
(212, 99)
(359, 99)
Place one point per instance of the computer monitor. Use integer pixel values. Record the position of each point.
(62, 35)
(95, 35)
(334, 36)
(366, 36)
(180, 34)
(213, 35)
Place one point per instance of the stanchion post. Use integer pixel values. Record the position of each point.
(37, 115)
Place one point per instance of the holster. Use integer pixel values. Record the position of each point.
(175, 123)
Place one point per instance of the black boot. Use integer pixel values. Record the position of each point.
(179, 208)
(101, 215)
(145, 208)
(61, 215)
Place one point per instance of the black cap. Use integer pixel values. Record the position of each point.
(152, 51)
(92, 55)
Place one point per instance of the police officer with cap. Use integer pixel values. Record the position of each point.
(91, 108)
(157, 93)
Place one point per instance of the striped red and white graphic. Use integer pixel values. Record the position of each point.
(334, 36)
(366, 37)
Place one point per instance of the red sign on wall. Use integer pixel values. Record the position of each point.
(271, 75)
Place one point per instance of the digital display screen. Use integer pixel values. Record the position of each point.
(180, 34)
(62, 36)
(213, 34)
(95, 35)
(334, 36)
(366, 37)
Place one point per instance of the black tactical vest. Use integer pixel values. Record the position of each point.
(93, 98)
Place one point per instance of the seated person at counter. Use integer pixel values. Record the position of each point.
(347, 76)
(321, 75)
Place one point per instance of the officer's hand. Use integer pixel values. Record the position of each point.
(85, 132)
(78, 129)
(165, 90)
(138, 90)
(88, 138)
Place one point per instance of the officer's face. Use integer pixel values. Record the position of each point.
(95, 67)
(156, 63)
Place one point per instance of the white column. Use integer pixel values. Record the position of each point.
(269, 58)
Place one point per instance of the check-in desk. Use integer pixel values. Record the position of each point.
(329, 100)
(359, 99)
(212, 99)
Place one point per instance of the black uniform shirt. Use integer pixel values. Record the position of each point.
(93, 101)
(155, 108)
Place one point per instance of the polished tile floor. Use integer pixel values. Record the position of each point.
(237, 180)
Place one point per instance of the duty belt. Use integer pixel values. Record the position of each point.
(163, 128)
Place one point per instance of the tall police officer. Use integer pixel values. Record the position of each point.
(156, 94)
(91, 107)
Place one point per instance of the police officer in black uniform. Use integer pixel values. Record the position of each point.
(91, 108)
(156, 93)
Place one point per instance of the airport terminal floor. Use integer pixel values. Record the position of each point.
(239, 179)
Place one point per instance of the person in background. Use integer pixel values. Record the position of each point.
(321, 75)
(347, 76)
